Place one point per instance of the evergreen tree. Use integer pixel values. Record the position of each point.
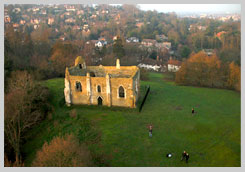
(118, 48)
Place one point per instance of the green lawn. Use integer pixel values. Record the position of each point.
(119, 136)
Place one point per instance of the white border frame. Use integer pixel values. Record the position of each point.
(106, 169)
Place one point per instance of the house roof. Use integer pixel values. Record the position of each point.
(101, 71)
(174, 62)
(220, 33)
(149, 40)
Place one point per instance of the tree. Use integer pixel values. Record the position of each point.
(174, 37)
(153, 55)
(24, 105)
(62, 56)
(234, 80)
(118, 48)
(185, 52)
(8, 63)
(63, 152)
(200, 70)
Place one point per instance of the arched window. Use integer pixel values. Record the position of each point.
(98, 88)
(78, 86)
(92, 74)
(121, 92)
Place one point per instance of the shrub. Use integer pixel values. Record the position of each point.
(63, 152)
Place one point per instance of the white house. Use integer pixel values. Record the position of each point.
(100, 43)
(132, 39)
(148, 42)
(174, 65)
(150, 67)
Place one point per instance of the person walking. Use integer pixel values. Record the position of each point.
(192, 111)
(150, 131)
(183, 155)
(186, 157)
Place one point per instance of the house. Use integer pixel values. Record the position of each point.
(102, 85)
(35, 9)
(7, 19)
(208, 52)
(115, 38)
(35, 21)
(195, 27)
(139, 24)
(191, 27)
(93, 16)
(152, 65)
(161, 37)
(67, 13)
(105, 12)
(167, 45)
(70, 20)
(22, 22)
(50, 20)
(148, 42)
(36, 26)
(43, 12)
(80, 12)
(132, 39)
(16, 10)
(70, 8)
(174, 65)
(76, 27)
(100, 43)
(202, 28)
(62, 37)
(85, 26)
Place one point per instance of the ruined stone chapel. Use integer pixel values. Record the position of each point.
(102, 85)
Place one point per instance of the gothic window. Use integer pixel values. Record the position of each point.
(121, 92)
(80, 66)
(78, 86)
(98, 88)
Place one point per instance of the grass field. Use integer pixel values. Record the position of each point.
(119, 136)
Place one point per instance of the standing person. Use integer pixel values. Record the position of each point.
(150, 131)
(186, 157)
(183, 155)
(192, 111)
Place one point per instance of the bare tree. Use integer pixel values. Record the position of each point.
(24, 106)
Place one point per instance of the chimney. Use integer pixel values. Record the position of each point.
(118, 64)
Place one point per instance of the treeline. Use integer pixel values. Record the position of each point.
(209, 71)
(37, 54)
(45, 59)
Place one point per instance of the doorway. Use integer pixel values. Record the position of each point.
(100, 101)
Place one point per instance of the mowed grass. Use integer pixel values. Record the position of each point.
(211, 136)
